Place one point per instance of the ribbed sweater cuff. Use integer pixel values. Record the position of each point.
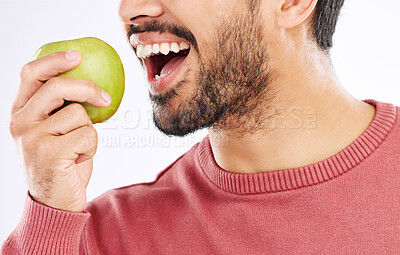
(45, 230)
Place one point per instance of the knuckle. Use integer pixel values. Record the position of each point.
(92, 135)
(77, 109)
(53, 84)
(93, 87)
(88, 138)
(14, 126)
(78, 112)
(26, 70)
(81, 112)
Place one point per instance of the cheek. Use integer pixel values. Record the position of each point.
(199, 16)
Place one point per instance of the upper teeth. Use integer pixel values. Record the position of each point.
(144, 51)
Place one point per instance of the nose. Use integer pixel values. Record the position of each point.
(131, 11)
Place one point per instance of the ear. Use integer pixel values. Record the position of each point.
(293, 12)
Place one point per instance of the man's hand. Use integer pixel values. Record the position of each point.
(57, 148)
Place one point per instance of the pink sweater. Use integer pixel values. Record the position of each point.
(346, 204)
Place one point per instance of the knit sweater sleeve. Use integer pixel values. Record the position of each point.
(45, 230)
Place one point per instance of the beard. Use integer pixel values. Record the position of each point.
(232, 84)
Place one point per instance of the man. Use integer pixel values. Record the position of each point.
(292, 163)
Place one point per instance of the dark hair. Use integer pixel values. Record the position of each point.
(324, 22)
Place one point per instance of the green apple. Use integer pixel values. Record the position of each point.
(100, 64)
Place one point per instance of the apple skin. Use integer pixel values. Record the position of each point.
(100, 64)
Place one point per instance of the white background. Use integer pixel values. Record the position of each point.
(366, 57)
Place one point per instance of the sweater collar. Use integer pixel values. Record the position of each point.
(294, 178)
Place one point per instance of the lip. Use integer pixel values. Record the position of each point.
(154, 37)
(167, 82)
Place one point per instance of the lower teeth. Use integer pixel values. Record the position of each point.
(157, 77)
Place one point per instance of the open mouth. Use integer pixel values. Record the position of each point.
(163, 62)
(160, 65)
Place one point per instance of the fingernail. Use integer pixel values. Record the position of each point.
(106, 96)
(72, 55)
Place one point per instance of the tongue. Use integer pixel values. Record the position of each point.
(173, 64)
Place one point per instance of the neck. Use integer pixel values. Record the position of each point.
(311, 118)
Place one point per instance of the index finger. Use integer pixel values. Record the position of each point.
(37, 72)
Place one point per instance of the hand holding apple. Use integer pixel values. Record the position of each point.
(58, 141)
(100, 64)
